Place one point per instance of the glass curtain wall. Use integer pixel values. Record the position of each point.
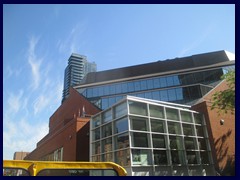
(152, 139)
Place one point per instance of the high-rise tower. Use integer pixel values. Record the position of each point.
(77, 68)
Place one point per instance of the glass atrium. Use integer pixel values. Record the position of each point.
(152, 138)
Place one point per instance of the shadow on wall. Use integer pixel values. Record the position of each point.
(221, 146)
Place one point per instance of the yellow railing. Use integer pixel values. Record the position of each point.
(63, 168)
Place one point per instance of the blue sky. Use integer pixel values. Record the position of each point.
(38, 40)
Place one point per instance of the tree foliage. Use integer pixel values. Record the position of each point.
(224, 101)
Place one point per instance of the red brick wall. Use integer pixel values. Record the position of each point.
(222, 137)
(67, 130)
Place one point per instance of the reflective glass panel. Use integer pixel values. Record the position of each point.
(122, 157)
(189, 143)
(188, 129)
(107, 145)
(143, 85)
(139, 124)
(160, 157)
(174, 128)
(164, 95)
(176, 142)
(177, 157)
(122, 141)
(138, 108)
(107, 116)
(121, 125)
(156, 111)
(157, 126)
(172, 114)
(120, 110)
(141, 157)
(186, 116)
(191, 157)
(139, 139)
(158, 141)
(107, 130)
(198, 118)
(172, 95)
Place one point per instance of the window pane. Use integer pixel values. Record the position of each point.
(139, 124)
(140, 139)
(186, 116)
(121, 125)
(170, 81)
(105, 103)
(172, 95)
(156, 83)
(107, 145)
(164, 95)
(143, 85)
(124, 87)
(141, 157)
(96, 121)
(158, 141)
(96, 134)
(191, 157)
(108, 157)
(172, 114)
(150, 84)
(174, 128)
(157, 126)
(176, 142)
(120, 110)
(89, 92)
(130, 87)
(177, 157)
(198, 118)
(205, 157)
(188, 130)
(156, 95)
(176, 80)
(160, 157)
(163, 82)
(138, 108)
(179, 93)
(202, 144)
(122, 141)
(199, 130)
(156, 111)
(118, 89)
(189, 143)
(107, 130)
(107, 116)
(96, 148)
(137, 85)
(122, 157)
(112, 89)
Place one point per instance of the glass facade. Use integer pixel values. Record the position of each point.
(151, 138)
(183, 88)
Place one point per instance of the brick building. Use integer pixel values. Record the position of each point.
(221, 130)
(68, 137)
(20, 155)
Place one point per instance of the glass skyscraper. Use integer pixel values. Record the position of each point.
(77, 68)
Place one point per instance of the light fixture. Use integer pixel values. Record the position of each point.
(221, 121)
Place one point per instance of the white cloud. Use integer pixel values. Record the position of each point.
(40, 103)
(34, 62)
(75, 40)
(198, 41)
(14, 102)
(22, 136)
